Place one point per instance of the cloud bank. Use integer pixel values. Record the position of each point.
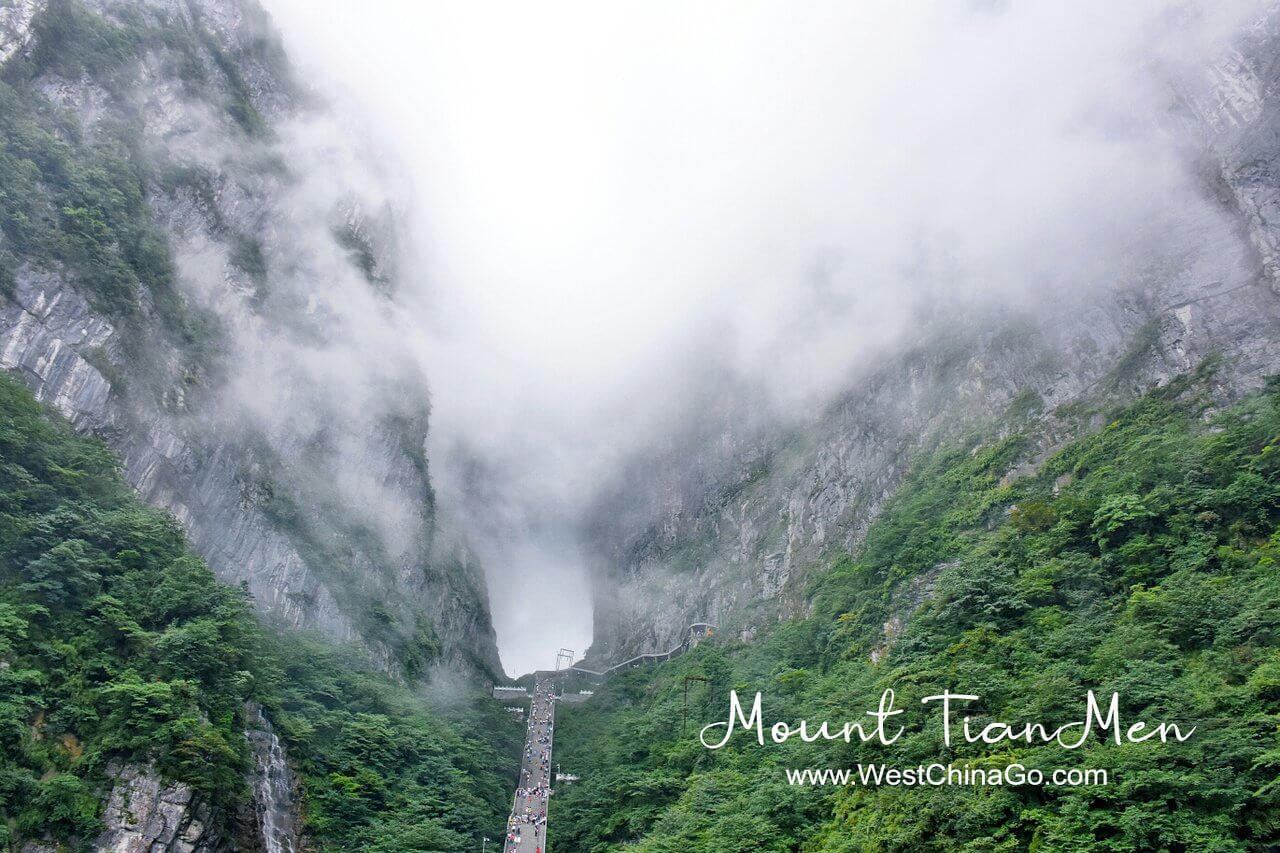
(614, 209)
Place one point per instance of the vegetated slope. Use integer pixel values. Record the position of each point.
(1140, 559)
(728, 523)
(196, 267)
(119, 648)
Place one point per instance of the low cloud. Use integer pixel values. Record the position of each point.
(619, 209)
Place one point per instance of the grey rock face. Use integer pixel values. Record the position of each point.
(48, 330)
(15, 25)
(285, 428)
(145, 815)
(1233, 113)
(731, 535)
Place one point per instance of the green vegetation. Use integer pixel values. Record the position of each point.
(74, 203)
(116, 644)
(351, 238)
(1140, 559)
(77, 205)
(238, 103)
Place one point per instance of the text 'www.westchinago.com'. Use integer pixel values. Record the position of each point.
(938, 775)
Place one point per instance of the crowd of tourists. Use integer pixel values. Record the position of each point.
(527, 826)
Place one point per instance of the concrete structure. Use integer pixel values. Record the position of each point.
(527, 827)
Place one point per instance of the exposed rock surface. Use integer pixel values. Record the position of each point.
(284, 424)
(46, 328)
(15, 25)
(262, 388)
(730, 534)
(146, 815)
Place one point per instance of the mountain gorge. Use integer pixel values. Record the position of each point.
(235, 614)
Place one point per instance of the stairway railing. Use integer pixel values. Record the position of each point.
(695, 632)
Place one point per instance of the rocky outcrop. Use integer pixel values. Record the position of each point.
(49, 330)
(264, 391)
(731, 532)
(144, 814)
(15, 25)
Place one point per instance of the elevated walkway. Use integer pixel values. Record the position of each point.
(517, 694)
(694, 634)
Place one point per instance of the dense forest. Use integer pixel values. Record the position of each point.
(1139, 559)
(118, 645)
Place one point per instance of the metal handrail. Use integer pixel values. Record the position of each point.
(706, 627)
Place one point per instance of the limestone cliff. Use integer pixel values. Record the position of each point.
(195, 266)
(730, 532)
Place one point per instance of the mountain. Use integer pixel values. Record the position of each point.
(198, 282)
(197, 267)
(233, 614)
(146, 706)
(730, 525)
(1136, 561)
(1023, 502)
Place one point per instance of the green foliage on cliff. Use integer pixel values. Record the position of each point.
(1140, 560)
(116, 644)
(74, 201)
(78, 205)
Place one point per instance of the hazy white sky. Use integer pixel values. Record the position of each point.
(605, 195)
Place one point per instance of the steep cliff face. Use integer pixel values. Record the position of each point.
(143, 812)
(731, 533)
(194, 266)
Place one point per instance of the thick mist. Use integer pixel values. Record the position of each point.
(616, 209)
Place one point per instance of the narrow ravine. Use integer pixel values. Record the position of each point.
(527, 826)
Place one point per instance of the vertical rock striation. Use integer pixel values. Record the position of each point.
(144, 814)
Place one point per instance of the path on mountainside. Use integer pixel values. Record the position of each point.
(692, 635)
(527, 826)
